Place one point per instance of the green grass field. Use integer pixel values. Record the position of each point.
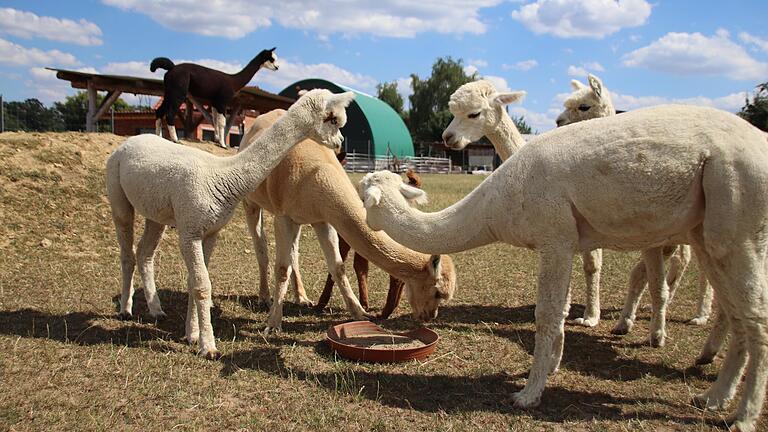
(66, 363)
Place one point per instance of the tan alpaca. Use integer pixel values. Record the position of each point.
(311, 187)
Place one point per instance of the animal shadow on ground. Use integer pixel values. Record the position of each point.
(452, 393)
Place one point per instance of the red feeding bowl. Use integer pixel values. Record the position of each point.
(365, 341)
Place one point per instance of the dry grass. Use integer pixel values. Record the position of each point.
(67, 363)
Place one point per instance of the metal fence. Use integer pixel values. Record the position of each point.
(363, 163)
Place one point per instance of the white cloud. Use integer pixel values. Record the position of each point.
(524, 65)
(28, 25)
(760, 43)
(498, 82)
(236, 18)
(405, 88)
(696, 54)
(480, 63)
(539, 122)
(732, 102)
(585, 69)
(584, 18)
(17, 55)
(470, 69)
(291, 72)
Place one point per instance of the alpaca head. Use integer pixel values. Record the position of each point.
(438, 281)
(586, 102)
(269, 59)
(324, 113)
(477, 109)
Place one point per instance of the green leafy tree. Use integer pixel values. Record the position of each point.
(522, 125)
(387, 92)
(429, 113)
(31, 115)
(74, 109)
(756, 111)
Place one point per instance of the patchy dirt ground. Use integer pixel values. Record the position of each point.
(67, 363)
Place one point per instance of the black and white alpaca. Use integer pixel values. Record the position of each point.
(217, 87)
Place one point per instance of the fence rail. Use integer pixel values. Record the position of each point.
(361, 162)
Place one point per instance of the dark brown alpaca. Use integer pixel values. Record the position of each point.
(198, 81)
(361, 268)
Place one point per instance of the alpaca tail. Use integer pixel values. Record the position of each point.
(161, 63)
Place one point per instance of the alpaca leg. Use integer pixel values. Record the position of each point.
(361, 270)
(218, 126)
(285, 235)
(704, 307)
(145, 255)
(122, 216)
(593, 263)
(254, 218)
(299, 294)
(199, 287)
(325, 297)
(657, 286)
(551, 310)
(637, 280)
(716, 339)
(159, 127)
(679, 258)
(329, 242)
(393, 297)
(209, 244)
(192, 324)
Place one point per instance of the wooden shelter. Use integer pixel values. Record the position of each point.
(249, 98)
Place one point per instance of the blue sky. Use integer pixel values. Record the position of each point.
(647, 53)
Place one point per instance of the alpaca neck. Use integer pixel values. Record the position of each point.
(457, 228)
(505, 137)
(244, 76)
(251, 166)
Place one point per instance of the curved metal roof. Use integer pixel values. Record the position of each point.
(383, 131)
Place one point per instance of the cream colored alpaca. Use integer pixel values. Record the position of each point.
(475, 116)
(594, 101)
(543, 198)
(310, 187)
(197, 193)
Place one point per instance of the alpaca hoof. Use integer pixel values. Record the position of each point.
(272, 329)
(657, 341)
(264, 302)
(192, 340)
(524, 400)
(159, 316)
(305, 302)
(125, 316)
(622, 327)
(704, 359)
(705, 402)
(212, 354)
(699, 321)
(740, 426)
(586, 322)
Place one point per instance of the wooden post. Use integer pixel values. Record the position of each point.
(106, 104)
(90, 122)
(236, 111)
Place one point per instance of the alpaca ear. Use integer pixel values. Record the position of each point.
(508, 98)
(413, 195)
(273, 49)
(435, 265)
(341, 100)
(595, 84)
(371, 196)
(577, 85)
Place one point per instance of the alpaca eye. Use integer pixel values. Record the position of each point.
(584, 107)
(474, 115)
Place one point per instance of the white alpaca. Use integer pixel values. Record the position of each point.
(594, 101)
(197, 193)
(543, 198)
(474, 116)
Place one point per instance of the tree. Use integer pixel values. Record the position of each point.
(756, 111)
(31, 115)
(429, 113)
(522, 126)
(74, 109)
(387, 92)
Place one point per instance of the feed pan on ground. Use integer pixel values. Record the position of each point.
(365, 341)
